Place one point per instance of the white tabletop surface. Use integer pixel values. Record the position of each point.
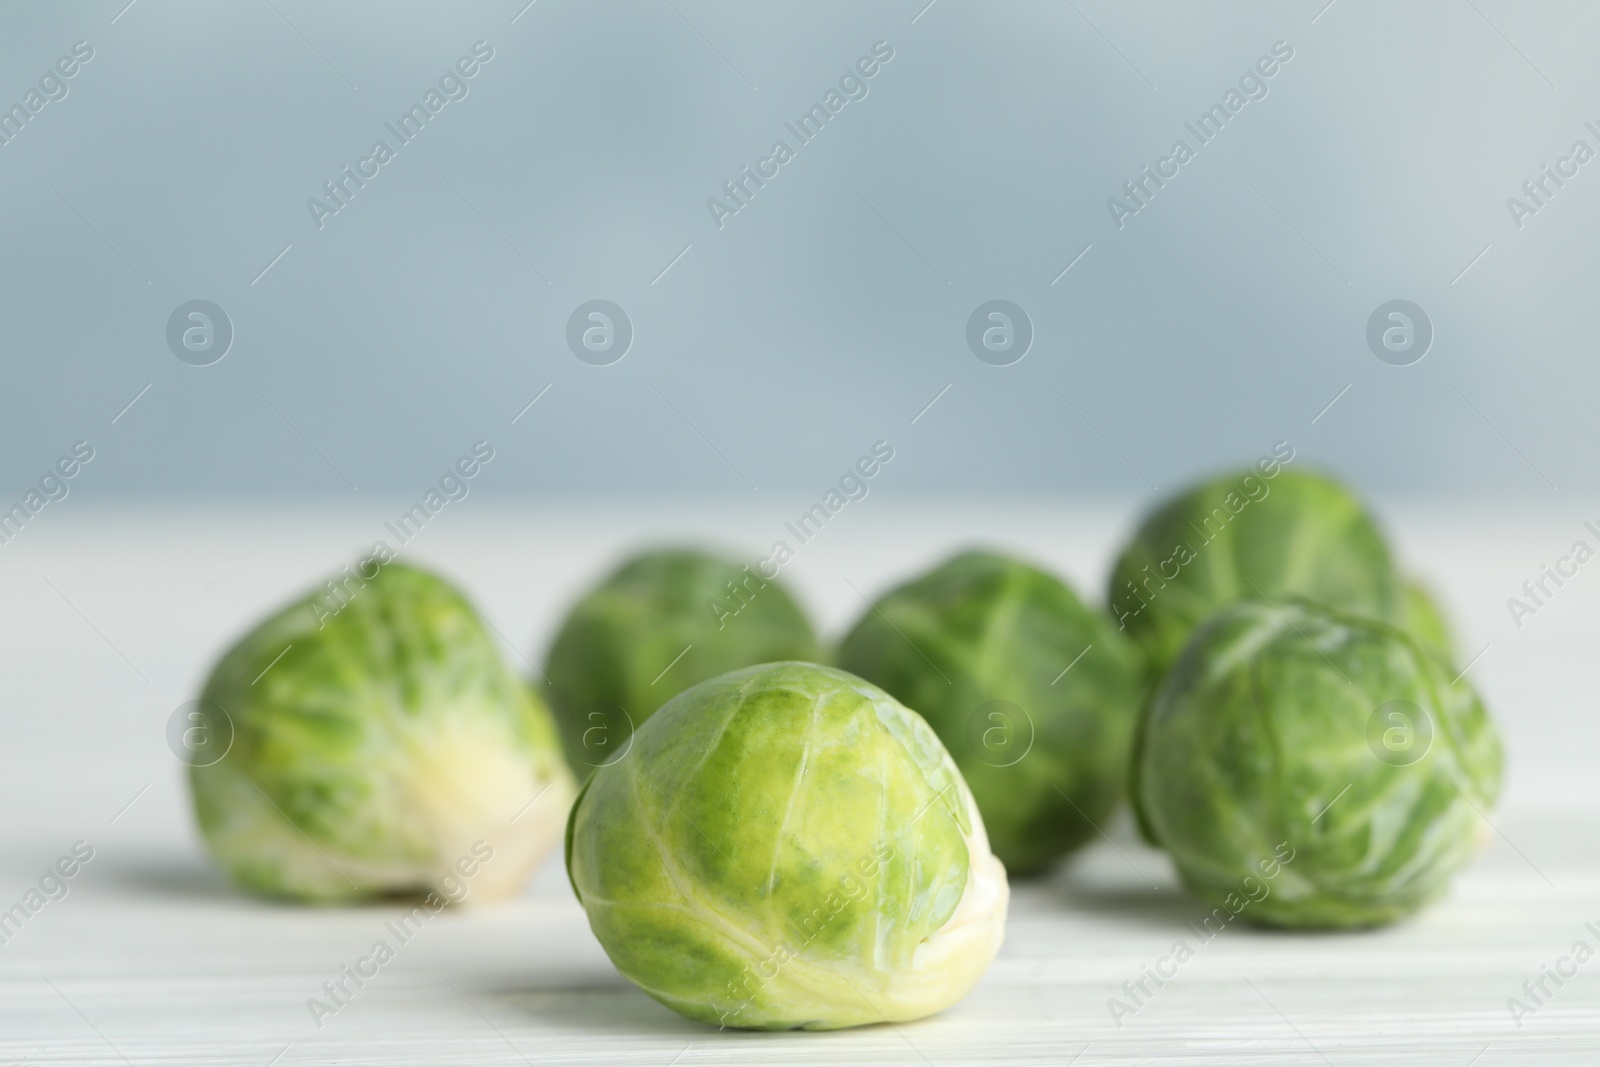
(112, 617)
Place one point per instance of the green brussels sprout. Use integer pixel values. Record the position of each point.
(785, 847)
(1034, 695)
(1314, 769)
(1249, 536)
(379, 745)
(662, 622)
(1423, 620)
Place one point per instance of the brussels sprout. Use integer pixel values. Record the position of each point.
(1249, 536)
(787, 847)
(1422, 619)
(1034, 695)
(662, 622)
(379, 745)
(1315, 768)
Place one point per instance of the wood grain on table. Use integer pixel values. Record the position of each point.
(150, 958)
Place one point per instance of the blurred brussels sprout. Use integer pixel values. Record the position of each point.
(1034, 695)
(1423, 620)
(662, 622)
(380, 745)
(1249, 536)
(787, 847)
(1314, 769)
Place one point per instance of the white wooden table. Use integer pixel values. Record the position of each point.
(110, 621)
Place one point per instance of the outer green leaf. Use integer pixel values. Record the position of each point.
(1248, 536)
(375, 747)
(786, 846)
(1422, 618)
(1034, 695)
(1276, 732)
(662, 622)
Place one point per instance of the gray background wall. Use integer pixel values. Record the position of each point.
(832, 309)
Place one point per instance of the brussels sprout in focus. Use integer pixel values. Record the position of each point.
(787, 847)
(379, 747)
(1422, 619)
(1034, 695)
(1314, 769)
(662, 622)
(1249, 536)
